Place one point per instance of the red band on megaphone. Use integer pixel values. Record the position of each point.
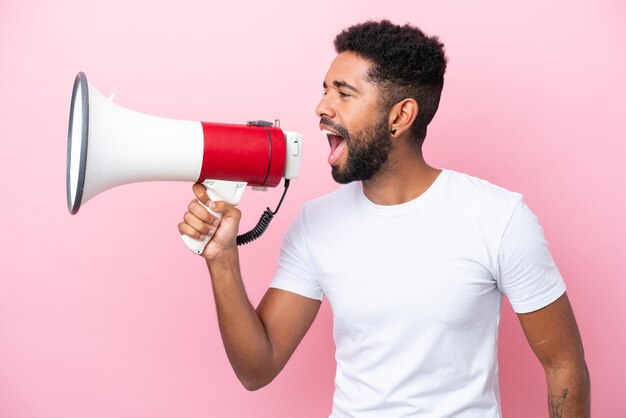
(254, 154)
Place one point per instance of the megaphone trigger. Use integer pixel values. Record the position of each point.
(228, 191)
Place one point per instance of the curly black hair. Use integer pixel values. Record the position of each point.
(406, 64)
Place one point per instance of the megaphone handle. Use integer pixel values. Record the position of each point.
(229, 191)
(196, 245)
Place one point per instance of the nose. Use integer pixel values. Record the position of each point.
(325, 108)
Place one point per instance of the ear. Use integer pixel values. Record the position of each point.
(401, 117)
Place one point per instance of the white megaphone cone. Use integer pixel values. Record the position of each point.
(109, 145)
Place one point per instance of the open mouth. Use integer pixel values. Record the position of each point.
(337, 144)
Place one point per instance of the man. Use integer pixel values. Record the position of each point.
(412, 259)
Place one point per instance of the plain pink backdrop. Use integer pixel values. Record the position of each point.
(107, 314)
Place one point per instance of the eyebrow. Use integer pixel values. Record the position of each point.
(343, 84)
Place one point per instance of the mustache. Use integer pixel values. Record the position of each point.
(342, 131)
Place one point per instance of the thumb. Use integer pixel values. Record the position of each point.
(201, 193)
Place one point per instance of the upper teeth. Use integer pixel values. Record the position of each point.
(327, 132)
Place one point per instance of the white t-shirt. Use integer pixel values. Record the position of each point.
(415, 291)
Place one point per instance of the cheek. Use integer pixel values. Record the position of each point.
(355, 119)
(363, 117)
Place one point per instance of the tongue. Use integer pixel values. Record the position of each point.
(337, 146)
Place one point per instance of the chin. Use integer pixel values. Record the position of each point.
(337, 175)
(340, 176)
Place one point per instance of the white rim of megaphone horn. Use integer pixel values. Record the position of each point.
(75, 195)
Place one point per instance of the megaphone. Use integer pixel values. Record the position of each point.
(109, 145)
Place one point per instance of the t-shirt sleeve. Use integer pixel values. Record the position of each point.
(295, 271)
(527, 272)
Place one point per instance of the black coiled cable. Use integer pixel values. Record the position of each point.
(263, 223)
(258, 230)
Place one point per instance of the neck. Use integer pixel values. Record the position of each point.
(404, 177)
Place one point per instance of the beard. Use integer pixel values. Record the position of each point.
(368, 150)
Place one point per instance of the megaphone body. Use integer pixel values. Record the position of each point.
(109, 145)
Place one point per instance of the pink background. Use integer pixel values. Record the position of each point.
(107, 314)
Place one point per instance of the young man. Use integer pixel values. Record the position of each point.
(412, 259)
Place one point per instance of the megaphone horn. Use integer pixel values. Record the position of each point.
(109, 145)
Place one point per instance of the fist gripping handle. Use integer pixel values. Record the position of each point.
(228, 191)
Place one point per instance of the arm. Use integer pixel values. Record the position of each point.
(258, 342)
(553, 335)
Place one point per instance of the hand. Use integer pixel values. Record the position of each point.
(199, 223)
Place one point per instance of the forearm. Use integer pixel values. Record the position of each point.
(569, 391)
(245, 340)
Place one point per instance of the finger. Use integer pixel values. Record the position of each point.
(185, 229)
(197, 224)
(200, 191)
(200, 212)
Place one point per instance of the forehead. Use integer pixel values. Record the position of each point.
(350, 68)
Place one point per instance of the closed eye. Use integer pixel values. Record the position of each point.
(340, 85)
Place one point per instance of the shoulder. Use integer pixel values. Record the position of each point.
(478, 205)
(333, 202)
(326, 215)
(477, 187)
(476, 193)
